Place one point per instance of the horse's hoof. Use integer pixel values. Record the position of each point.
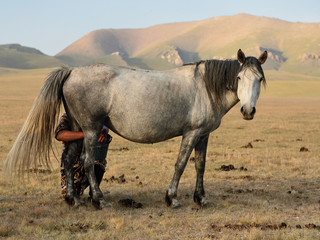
(78, 202)
(101, 203)
(105, 204)
(205, 202)
(175, 203)
(74, 201)
(201, 200)
(168, 199)
(69, 200)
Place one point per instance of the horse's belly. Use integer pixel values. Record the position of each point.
(145, 137)
(145, 131)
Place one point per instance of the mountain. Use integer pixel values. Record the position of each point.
(292, 47)
(17, 56)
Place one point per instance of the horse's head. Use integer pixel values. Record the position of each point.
(250, 78)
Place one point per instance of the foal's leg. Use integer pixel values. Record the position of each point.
(68, 158)
(200, 163)
(90, 140)
(186, 148)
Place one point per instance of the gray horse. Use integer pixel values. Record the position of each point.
(141, 106)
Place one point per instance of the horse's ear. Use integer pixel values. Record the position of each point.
(263, 57)
(241, 56)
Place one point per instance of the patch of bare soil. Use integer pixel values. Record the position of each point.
(36, 170)
(78, 226)
(113, 179)
(119, 149)
(238, 191)
(263, 227)
(129, 203)
(231, 167)
(304, 149)
(249, 145)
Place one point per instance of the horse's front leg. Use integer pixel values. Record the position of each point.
(200, 163)
(90, 140)
(187, 145)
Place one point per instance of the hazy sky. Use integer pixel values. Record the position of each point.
(50, 26)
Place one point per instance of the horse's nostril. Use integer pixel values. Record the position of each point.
(253, 111)
(242, 110)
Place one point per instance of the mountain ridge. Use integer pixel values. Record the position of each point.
(292, 46)
(21, 57)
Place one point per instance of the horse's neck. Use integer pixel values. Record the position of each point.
(230, 99)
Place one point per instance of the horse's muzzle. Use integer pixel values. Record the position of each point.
(248, 114)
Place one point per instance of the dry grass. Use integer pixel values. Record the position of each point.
(281, 184)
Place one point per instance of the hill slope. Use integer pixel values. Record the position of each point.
(293, 47)
(17, 56)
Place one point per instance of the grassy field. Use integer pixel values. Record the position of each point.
(273, 192)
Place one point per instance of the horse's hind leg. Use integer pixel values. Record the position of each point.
(90, 140)
(186, 148)
(200, 163)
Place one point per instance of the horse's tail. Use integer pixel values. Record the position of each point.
(34, 142)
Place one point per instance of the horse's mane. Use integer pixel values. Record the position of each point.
(220, 76)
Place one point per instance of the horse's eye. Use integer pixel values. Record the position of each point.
(238, 78)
